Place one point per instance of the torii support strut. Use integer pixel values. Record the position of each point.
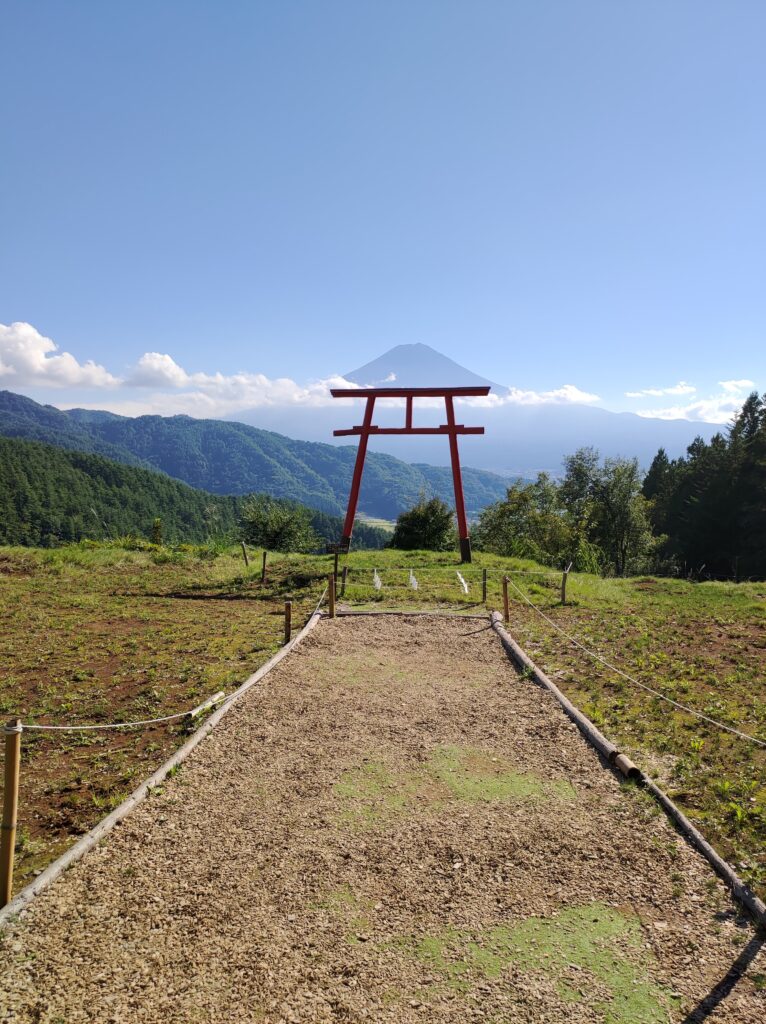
(451, 428)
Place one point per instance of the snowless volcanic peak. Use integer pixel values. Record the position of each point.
(417, 366)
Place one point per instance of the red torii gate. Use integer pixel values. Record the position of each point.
(451, 428)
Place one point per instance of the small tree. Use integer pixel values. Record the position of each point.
(427, 526)
(527, 523)
(277, 525)
(620, 515)
(157, 531)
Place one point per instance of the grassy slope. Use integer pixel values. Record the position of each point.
(103, 634)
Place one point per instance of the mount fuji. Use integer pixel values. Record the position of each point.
(417, 366)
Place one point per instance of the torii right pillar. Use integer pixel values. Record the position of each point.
(457, 480)
(366, 429)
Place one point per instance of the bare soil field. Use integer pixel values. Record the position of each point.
(394, 827)
(110, 635)
(703, 646)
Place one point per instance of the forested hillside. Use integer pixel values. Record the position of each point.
(710, 506)
(49, 495)
(233, 458)
(702, 515)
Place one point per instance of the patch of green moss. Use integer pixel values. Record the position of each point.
(474, 776)
(436, 952)
(340, 899)
(355, 909)
(595, 939)
(372, 792)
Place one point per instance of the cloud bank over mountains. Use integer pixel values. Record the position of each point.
(158, 384)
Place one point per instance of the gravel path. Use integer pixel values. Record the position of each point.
(394, 827)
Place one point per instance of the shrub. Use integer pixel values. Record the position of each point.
(427, 526)
(277, 525)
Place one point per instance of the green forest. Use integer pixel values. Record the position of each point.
(50, 496)
(234, 458)
(702, 515)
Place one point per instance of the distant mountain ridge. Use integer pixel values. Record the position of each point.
(524, 434)
(233, 458)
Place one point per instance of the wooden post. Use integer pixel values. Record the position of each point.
(335, 569)
(10, 808)
(484, 585)
(564, 578)
(506, 605)
(343, 581)
(263, 568)
(288, 620)
(244, 553)
(331, 594)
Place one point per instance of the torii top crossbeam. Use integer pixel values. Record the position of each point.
(450, 428)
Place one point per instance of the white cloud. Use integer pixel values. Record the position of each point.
(158, 384)
(218, 394)
(154, 369)
(215, 395)
(681, 388)
(26, 360)
(567, 394)
(720, 408)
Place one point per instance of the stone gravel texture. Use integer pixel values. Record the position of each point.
(366, 837)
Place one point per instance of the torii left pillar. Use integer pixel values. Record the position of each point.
(450, 428)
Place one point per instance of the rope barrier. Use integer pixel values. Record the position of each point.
(424, 567)
(319, 602)
(631, 679)
(112, 725)
(218, 698)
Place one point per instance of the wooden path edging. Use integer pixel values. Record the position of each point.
(741, 892)
(739, 889)
(96, 834)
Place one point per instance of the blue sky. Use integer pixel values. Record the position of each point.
(555, 194)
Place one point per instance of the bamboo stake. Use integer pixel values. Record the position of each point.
(10, 808)
(331, 594)
(244, 553)
(564, 578)
(263, 568)
(506, 604)
(343, 581)
(288, 620)
(484, 585)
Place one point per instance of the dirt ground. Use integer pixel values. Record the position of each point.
(394, 827)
